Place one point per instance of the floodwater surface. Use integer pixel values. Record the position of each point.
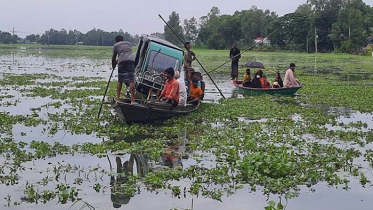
(41, 101)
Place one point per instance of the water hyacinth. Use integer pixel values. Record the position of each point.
(54, 150)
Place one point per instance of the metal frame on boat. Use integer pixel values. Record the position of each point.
(153, 56)
(149, 111)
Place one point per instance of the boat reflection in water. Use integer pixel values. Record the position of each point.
(140, 164)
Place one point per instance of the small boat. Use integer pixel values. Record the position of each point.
(153, 56)
(259, 91)
(148, 111)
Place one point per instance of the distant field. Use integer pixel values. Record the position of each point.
(273, 61)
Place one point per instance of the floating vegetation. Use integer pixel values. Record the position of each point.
(53, 148)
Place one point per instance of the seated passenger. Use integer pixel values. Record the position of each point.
(289, 80)
(246, 82)
(195, 76)
(182, 88)
(203, 85)
(189, 72)
(260, 72)
(278, 83)
(195, 93)
(255, 83)
(171, 91)
(265, 84)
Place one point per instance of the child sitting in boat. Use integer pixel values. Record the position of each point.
(246, 82)
(195, 93)
(265, 84)
(203, 85)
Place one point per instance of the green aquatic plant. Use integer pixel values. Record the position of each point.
(269, 144)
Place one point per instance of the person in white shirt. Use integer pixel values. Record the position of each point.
(289, 80)
(182, 88)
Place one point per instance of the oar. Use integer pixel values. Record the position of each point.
(103, 98)
(239, 54)
(194, 56)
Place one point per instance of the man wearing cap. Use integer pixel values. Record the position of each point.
(289, 80)
(126, 65)
(189, 56)
(171, 91)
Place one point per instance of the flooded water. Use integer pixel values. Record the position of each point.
(86, 171)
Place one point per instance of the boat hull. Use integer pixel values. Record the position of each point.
(260, 91)
(149, 111)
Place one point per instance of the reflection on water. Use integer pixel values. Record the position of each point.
(118, 195)
(330, 110)
(141, 164)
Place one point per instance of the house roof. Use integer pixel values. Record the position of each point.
(369, 47)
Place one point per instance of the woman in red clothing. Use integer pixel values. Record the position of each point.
(265, 84)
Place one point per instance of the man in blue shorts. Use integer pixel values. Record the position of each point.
(126, 66)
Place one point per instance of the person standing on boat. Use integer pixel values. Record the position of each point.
(171, 91)
(235, 55)
(126, 65)
(289, 80)
(189, 56)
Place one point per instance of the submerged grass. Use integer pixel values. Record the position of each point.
(276, 145)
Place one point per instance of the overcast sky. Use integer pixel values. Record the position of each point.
(135, 16)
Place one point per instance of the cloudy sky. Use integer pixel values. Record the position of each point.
(133, 16)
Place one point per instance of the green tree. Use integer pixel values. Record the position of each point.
(174, 23)
(350, 31)
(190, 29)
(326, 13)
(32, 37)
(209, 27)
(229, 30)
(292, 28)
(5, 37)
(256, 22)
(306, 9)
(204, 31)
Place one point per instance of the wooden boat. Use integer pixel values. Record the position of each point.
(259, 91)
(148, 111)
(153, 56)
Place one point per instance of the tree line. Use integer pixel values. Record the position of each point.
(8, 38)
(95, 37)
(316, 26)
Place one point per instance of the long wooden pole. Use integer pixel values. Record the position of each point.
(103, 98)
(240, 53)
(194, 56)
